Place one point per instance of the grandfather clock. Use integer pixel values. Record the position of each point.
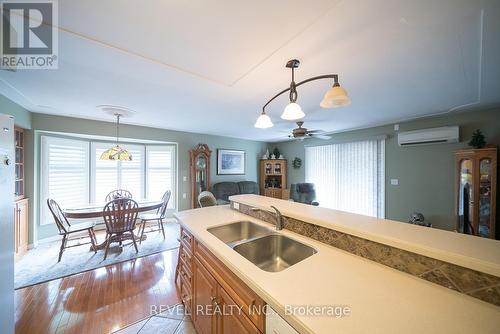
(199, 159)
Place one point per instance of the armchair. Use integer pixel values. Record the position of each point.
(303, 193)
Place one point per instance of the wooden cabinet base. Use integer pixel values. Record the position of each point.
(21, 227)
(219, 301)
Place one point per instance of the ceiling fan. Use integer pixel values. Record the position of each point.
(302, 133)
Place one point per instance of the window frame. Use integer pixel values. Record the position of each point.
(93, 163)
(44, 174)
(380, 175)
(91, 144)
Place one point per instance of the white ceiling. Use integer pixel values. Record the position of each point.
(209, 66)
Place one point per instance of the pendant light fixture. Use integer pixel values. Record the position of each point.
(293, 111)
(263, 121)
(335, 97)
(116, 152)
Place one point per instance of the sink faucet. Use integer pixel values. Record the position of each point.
(278, 217)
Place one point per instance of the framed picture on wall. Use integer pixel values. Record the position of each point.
(230, 162)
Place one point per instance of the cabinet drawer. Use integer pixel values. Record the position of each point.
(231, 320)
(186, 276)
(186, 257)
(252, 305)
(187, 239)
(186, 296)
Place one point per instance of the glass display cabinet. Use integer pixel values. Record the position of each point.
(200, 171)
(475, 191)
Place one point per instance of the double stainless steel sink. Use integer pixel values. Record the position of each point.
(268, 250)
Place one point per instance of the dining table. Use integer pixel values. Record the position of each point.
(94, 211)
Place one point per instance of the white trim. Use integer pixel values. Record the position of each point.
(45, 138)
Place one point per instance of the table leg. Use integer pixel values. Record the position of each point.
(102, 245)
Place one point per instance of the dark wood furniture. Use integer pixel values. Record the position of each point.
(273, 178)
(148, 218)
(95, 211)
(70, 232)
(118, 193)
(475, 191)
(21, 205)
(199, 161)
(206, 283)
(120, 216)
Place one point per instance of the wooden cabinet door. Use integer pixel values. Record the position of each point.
(16, 229)
(231, 318)
(23, 226)
(204, 298)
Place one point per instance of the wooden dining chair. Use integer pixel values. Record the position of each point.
(118, 193)
(148, 219)
(71, 232)
(119, 216)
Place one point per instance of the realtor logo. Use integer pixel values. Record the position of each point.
(29, 35)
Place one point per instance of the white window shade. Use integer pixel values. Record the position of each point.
(110, 175)
(73, 174)
(105, 174)
(349, 176)
(132, 172)
(64, 173)
(161, 172)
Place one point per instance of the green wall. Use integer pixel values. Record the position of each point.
(22, 117)
(425, 173)
(185, 141)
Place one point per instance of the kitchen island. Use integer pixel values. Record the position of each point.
(380, 299)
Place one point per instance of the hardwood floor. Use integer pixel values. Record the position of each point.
(102, 300)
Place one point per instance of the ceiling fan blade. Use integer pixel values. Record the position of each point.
(324, 137)
(315, 131)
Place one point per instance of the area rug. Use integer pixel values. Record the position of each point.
(40, 264)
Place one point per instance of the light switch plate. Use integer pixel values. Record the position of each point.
(184, 178)
(396, 127)
(184, 195)
(394, 182)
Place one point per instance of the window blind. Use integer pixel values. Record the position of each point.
(161, 172)
(73, 174)
(110, 175)
(349, 176)
(65, 173)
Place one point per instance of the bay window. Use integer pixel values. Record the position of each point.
(73, 174)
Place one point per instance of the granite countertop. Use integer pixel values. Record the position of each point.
(476, 253)
(381, 299)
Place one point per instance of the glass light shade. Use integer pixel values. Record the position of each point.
(292, 112)
(335, 97)
(263, 122)
(116, 153)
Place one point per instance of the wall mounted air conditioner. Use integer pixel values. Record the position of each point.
(447, 134)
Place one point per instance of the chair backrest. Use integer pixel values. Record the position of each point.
(60, 219)
(206, 198)
(120, 215)
(303, 192)
(118, 193)
(162, 210)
